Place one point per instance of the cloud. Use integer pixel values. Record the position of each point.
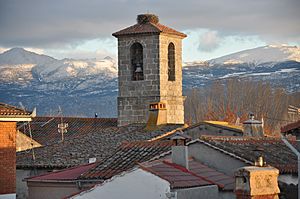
(209, 41)
(57, 23)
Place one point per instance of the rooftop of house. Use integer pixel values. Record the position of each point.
(248, 149)
(99, 144)
(44, 130)
(147, 24)
(198, 174)
(69, 174)
(9, 111)
(219, 128)
(126, 157)
(227, 125)
(291, 127)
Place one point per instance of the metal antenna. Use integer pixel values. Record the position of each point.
(32, 148)
(31, 139)
(22, 106)
(59, 113)
(62, 127)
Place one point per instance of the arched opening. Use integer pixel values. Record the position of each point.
(136, 55)
(171, 62)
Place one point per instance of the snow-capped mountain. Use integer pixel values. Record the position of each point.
(270, 53)
(72, 68)
(21, 66)
(20, 56)
(85, 86)
(255, 56)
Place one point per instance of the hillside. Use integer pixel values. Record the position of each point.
(85, 86)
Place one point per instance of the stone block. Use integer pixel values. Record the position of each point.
(255, 181)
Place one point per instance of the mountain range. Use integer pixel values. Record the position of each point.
(82, 87)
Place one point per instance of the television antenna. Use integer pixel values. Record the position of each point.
(62, 127)
(31, 139)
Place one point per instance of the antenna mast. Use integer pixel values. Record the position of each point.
(62, 127)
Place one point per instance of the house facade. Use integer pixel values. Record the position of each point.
(9, 116)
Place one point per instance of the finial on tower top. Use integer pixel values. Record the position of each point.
(147, 18)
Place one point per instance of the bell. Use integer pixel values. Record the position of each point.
(138, 69)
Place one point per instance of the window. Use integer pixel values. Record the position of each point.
(171, 62)
(136, 55)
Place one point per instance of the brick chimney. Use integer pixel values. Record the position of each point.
(180, 150)
(157, 115)
(256, 182)
(253, 127)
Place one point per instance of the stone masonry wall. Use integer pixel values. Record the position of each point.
(171, 91)
(135, 96)
(7, 157)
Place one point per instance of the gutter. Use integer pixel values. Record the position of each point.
(18, 117)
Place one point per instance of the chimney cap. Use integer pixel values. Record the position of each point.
(251, 120)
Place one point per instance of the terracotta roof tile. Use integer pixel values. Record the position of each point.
(45, 131)
(77, 150)
(8, 110)
(63, 175)
(146, 28)
(223, 181)
(218, 124)
(197, 175)
(248, 149)
(126, 157)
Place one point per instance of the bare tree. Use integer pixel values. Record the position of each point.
(227, 100)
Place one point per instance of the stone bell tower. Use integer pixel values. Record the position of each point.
(150, 70)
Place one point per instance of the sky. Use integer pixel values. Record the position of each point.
(82, 29)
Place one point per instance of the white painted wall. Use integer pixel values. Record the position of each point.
(136, 184)
(8, 196)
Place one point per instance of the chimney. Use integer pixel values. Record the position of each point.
(180, 150)
(157, 115)
(257, 181)
(253, 127)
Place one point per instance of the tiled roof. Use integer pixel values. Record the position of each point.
(126, 157)
(8, 110)
(218, 124)
(248, 149)
(225, 125)
(63, 175)
(146, 28)
(99, 144)
(44, 130)
(291, 126)
(223, 181)
(178, 176)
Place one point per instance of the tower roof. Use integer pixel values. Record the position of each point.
(148, 23)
